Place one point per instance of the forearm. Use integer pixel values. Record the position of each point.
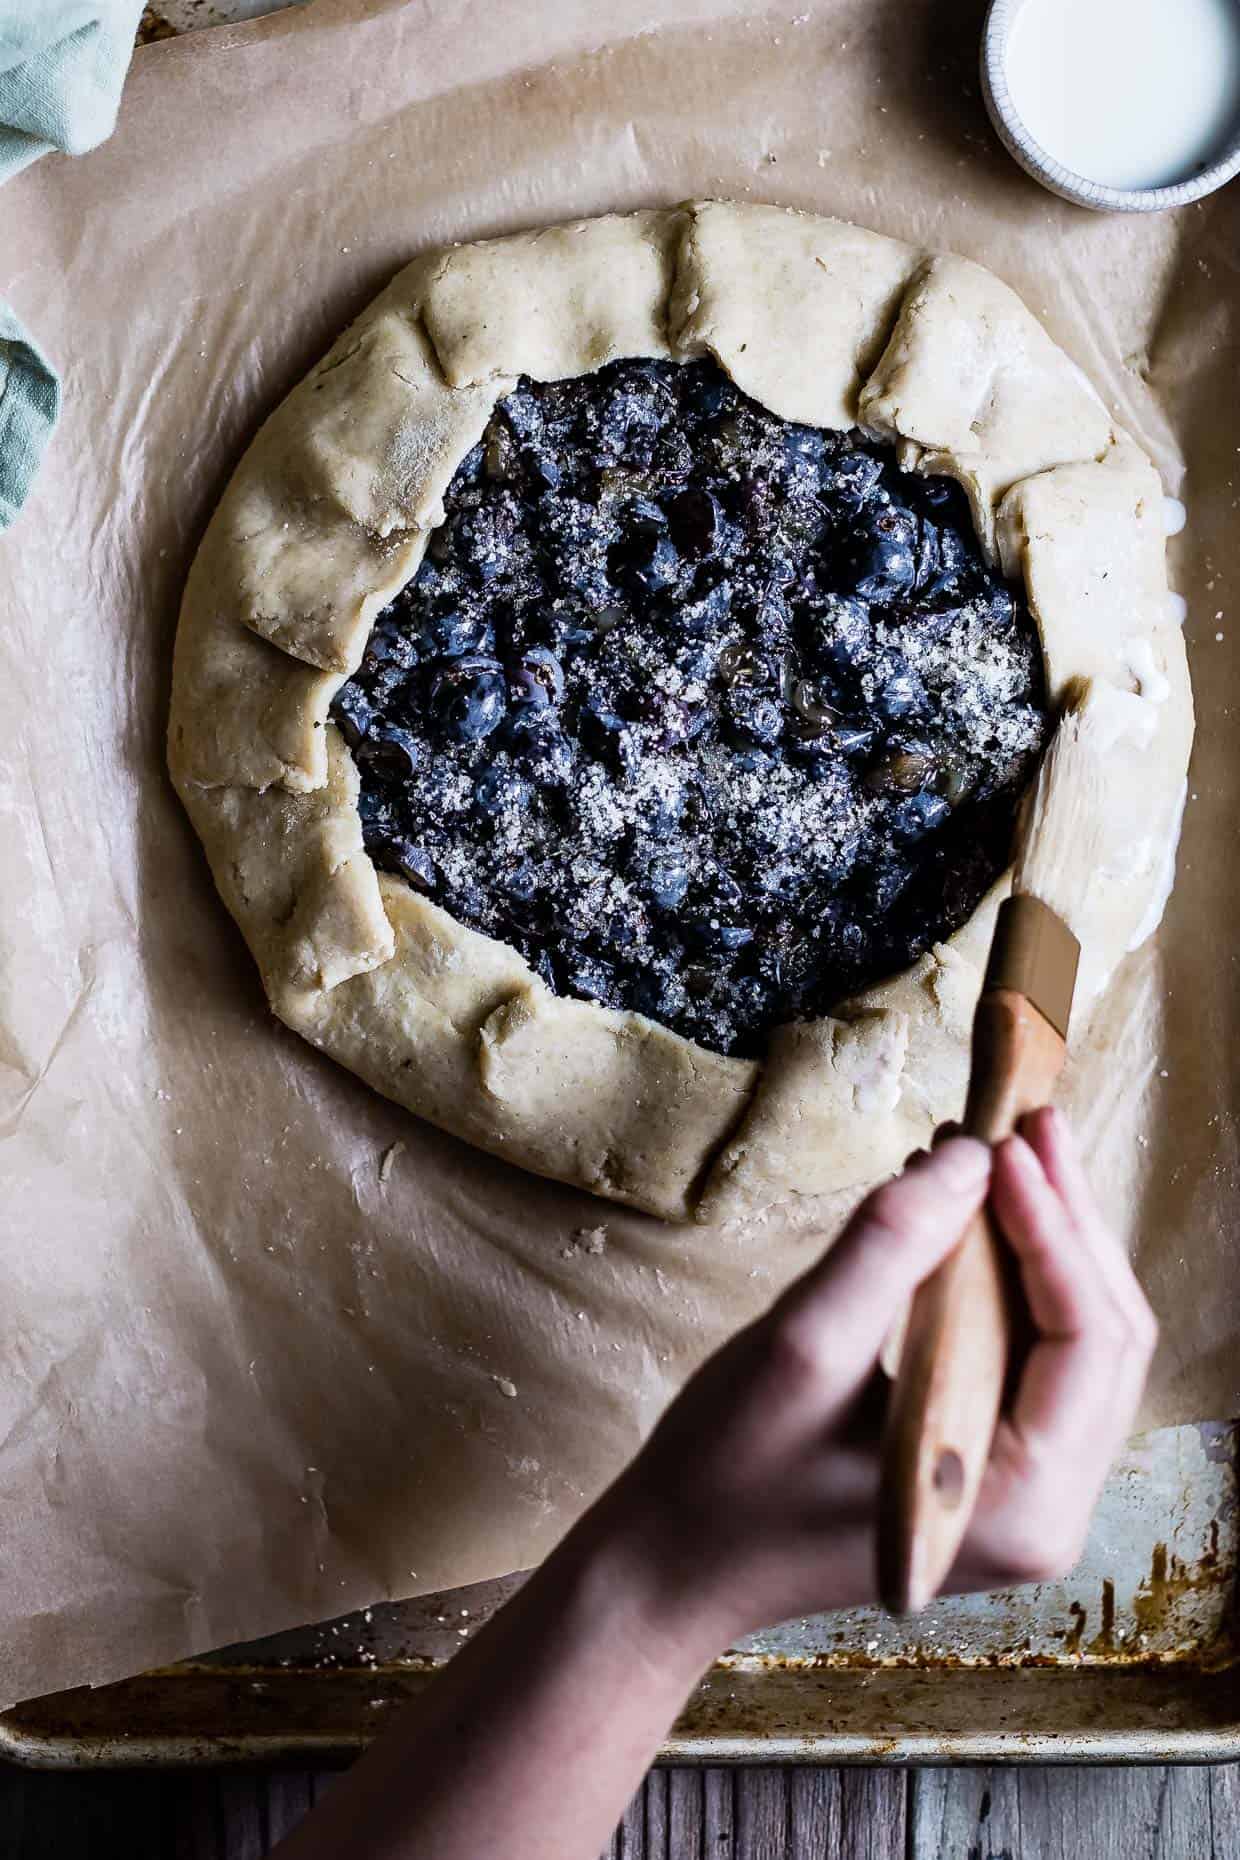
(533, 1740)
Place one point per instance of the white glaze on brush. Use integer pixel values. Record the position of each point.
(1175, 516)
(1128, 93)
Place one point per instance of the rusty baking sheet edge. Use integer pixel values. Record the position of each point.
(1135, 1657)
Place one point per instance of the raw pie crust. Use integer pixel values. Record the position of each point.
(327, 518)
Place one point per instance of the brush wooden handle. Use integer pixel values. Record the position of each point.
(948, 1388)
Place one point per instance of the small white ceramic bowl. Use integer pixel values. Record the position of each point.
(1034, 159)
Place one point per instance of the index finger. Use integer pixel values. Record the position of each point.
(844, 1306)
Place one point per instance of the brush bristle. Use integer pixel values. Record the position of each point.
(1061, 839)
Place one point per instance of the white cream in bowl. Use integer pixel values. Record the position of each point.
(1127, 104)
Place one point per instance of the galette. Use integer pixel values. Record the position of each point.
(608, 686)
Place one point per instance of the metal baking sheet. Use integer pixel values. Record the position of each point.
(1134, 1656)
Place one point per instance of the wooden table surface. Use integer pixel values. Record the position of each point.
(1077, 1813)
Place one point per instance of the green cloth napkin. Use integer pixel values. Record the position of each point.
(29, 403)
(62, 65)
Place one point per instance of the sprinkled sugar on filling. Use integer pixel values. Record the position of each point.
(711, 715)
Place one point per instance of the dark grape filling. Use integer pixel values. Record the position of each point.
(710, 715)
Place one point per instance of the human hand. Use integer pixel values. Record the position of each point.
(756, 1495)
(755, 1500)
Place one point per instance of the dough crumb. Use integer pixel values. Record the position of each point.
(505, 1387)
(388, 1161)
(591, 1240)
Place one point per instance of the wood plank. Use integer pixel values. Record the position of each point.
(291, 1795)
(762, 1799)
(686, 1803)
(873, 1814)
(656, 1795)
(718, 1813)
(815, 1801)
(1225, 1807)
(952, 1811)
(1063, 1813)
(243, 1816)
(195, 1805)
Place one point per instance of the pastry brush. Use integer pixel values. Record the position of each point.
(949, 1384)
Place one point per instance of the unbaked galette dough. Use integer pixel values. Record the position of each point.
(327, 518)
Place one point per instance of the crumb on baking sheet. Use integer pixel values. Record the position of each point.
(591, 1240)
(388, 1161)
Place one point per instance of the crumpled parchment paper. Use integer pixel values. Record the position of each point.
(271, 1349)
